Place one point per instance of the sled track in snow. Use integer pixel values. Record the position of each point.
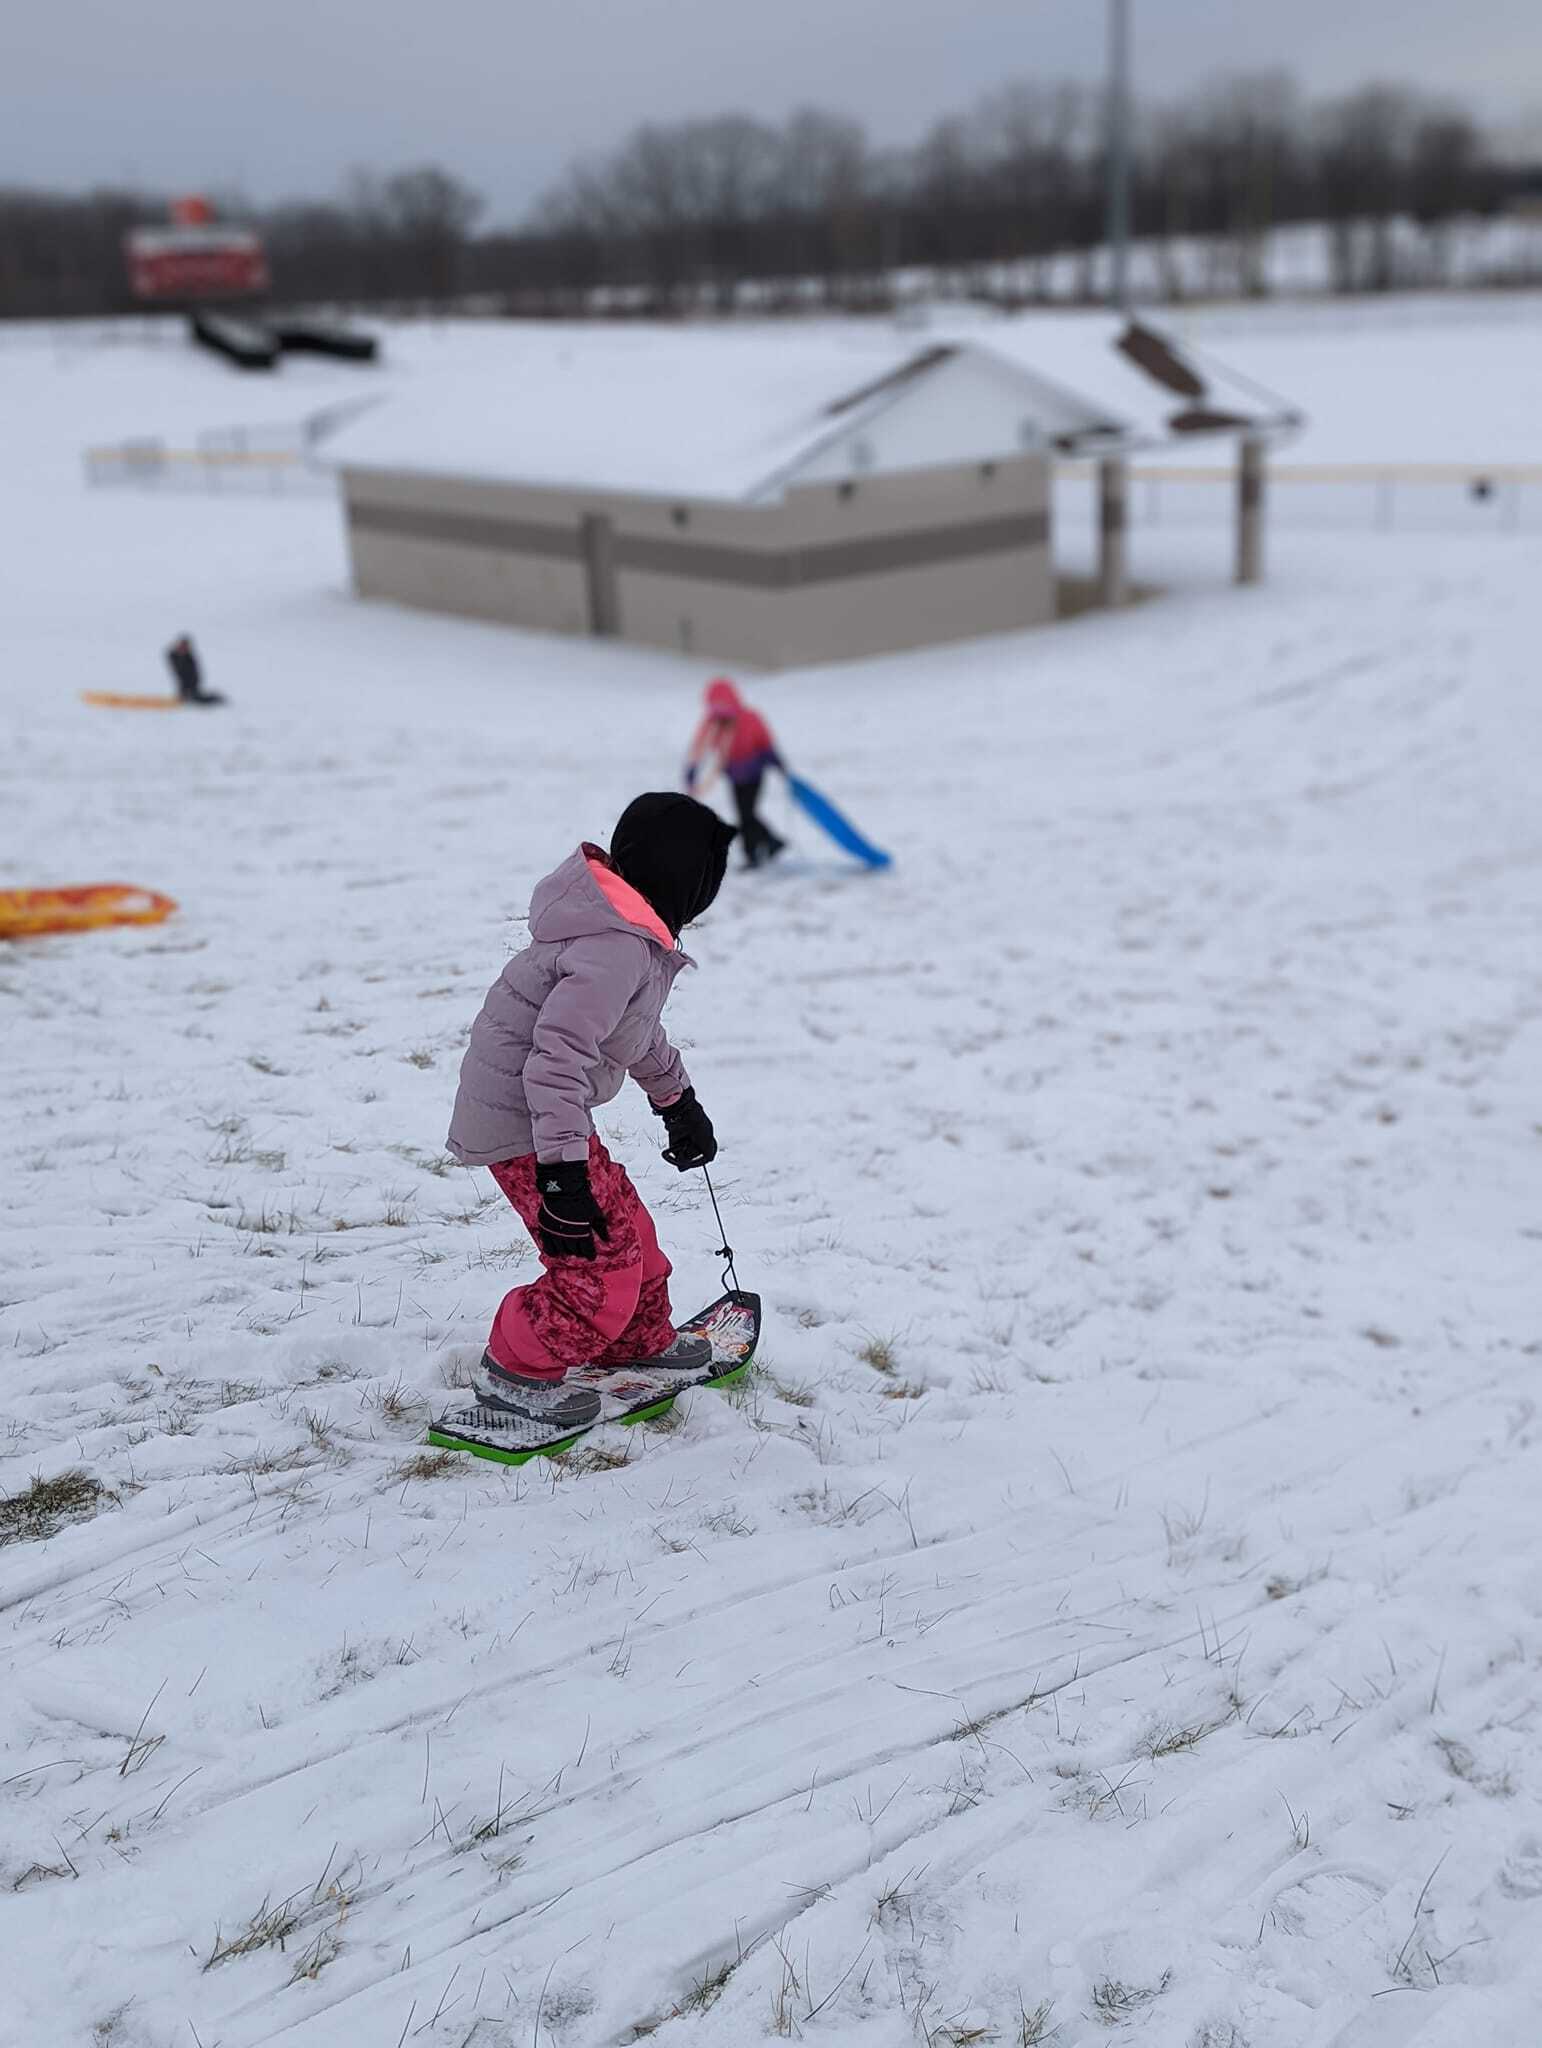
(1012, 1620)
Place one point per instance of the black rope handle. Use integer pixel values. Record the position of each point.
(725, 1250)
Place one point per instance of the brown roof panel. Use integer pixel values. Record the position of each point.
(1155, 354)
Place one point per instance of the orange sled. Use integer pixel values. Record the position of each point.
(29, 913)
(115, 700)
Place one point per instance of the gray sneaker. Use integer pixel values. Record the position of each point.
(557, 1404)
(685, 1354)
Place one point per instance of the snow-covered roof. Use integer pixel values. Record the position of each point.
(738, 413)
(698, 414)
(1133, 380)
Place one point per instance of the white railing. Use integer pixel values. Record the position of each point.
(247, 472)
(270, 459)
(1445, 497)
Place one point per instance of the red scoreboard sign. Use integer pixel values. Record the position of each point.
(195, 262)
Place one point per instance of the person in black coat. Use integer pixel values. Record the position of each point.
(182, 659)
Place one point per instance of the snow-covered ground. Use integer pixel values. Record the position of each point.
(1296, 259)
(1399, 381)
(1454, 378)
(1113, 1610)
(1422, 412)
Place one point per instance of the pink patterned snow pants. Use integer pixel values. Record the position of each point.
(599, 1311)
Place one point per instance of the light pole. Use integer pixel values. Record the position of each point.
(1118, 139)
(1112, 470)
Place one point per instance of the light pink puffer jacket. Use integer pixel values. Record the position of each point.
(568, 1019)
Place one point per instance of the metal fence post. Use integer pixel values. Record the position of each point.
(1112, 526)
(1250, 510)
(598, 543)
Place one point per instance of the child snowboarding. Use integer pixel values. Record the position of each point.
(564, 1024)
(735, 738)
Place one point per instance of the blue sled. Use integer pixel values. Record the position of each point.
(840, 829)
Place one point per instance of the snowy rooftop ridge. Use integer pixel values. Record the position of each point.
(741, 414)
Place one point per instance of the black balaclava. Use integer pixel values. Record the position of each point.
(674, 851)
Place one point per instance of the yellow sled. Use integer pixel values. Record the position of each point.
(116, 700)
(30, 913)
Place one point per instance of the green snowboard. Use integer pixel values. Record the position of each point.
(733, 1324)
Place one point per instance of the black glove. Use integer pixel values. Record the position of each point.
(691, 1142)
(570, 1218)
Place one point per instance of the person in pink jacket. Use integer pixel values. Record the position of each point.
(561, 1028)
(733, 738)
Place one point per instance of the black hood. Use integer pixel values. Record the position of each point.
(674, 851)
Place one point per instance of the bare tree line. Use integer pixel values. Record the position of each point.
(704, 206)
(688, 214)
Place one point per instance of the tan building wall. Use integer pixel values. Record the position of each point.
(497, 552)
(998, 588)
(830, 572)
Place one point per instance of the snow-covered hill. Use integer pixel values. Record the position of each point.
(1112, 1611)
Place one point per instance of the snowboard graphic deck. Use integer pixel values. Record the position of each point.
(733, 1324)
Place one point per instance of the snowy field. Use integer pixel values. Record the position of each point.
(1436, 378)
(1452, 377)
(1408, 400)
(1113, 1612)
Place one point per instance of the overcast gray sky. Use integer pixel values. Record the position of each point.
(284, 96)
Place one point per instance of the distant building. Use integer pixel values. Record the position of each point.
(768, 499)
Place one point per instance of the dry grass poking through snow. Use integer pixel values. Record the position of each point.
(433, 1465)
(48, 1505)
